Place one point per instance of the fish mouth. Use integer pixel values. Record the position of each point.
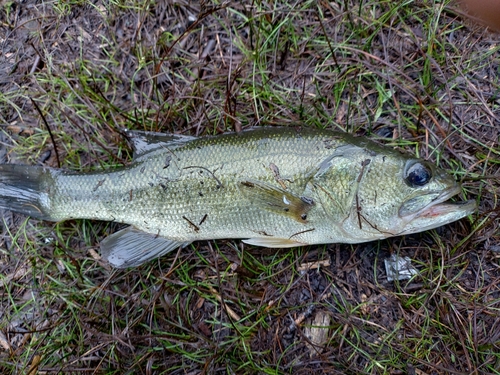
(433, 210)
(442, 206)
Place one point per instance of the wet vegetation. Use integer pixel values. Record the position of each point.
(414, 75)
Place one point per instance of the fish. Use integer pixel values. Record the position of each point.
(276, 187)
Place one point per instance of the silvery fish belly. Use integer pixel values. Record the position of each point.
(273, 187)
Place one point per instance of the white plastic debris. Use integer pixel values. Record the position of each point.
(399, 268)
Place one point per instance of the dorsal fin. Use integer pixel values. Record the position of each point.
(144, 142)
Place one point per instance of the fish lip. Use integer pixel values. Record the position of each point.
(440, 205)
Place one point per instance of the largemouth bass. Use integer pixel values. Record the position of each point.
(272, 187)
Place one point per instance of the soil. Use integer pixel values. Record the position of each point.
(185, 67)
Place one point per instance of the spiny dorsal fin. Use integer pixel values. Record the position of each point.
(144, 142)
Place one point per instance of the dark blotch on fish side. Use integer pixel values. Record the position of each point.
(167, 162)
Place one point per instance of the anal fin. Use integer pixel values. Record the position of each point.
(131, 247)
(273, 242)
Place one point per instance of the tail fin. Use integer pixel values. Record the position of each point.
(25, 189)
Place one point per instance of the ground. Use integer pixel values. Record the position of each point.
(415, 75)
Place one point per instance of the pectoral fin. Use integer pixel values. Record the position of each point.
(277, 200)
(131, 247)
(273, 242)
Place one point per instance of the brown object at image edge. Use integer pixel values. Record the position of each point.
(485, 12)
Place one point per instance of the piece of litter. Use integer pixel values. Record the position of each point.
(313, 265)
(317, 332)
(399, 268)
(4, 343)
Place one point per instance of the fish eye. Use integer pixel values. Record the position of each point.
(417, 174)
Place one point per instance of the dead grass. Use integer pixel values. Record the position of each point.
(410, 73)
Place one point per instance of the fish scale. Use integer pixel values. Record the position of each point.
(274, 187)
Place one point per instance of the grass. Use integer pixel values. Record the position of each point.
(411, 74)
